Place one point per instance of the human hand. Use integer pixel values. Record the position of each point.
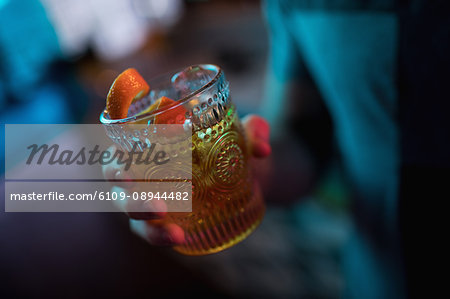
(150, 225)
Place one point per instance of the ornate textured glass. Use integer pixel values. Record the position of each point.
(226, 205)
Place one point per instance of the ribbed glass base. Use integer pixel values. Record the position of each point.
(223, 228)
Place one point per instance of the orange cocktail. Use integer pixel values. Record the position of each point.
(226, 205)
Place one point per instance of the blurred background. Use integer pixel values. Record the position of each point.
(73, 50)
(58, 59)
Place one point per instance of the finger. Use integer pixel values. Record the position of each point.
(257, 130)
(158, 233)
(115, 173)
(139, 209)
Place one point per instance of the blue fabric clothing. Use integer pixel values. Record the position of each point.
(351, 55)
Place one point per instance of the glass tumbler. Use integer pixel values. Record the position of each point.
(226, 204)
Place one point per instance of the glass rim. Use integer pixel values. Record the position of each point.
(104, 118)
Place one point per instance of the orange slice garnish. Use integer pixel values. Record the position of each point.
(169, 115)
(176, 115)
(128, 87)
